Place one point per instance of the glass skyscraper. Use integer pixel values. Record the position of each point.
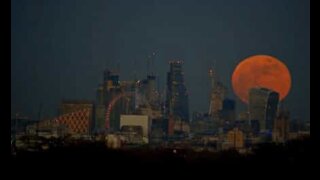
(177, 98)
(263, 105)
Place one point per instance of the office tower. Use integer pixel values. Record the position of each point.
(263, 107)
(228, 113)
(177, 98)
(281, 126)
(217, 95)
(116, 101)
(147, 94)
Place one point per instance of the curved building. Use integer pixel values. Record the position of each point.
(263, 105)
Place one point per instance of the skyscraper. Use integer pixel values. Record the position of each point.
(147, 94)
(263, 107)
(112, 100)
(228, 110)
(177, 98)
(281, 126)
(217, 95)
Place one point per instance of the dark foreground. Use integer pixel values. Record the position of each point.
(297, 152)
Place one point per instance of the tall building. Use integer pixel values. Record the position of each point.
(281, 127)
(113, 98)
(100, 118)
(147, 94)
(217, 96)
(177, 103)
(99, 110)
(263, 107)
(228, 113)
(152, 93)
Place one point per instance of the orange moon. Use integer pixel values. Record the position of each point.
(261, 71)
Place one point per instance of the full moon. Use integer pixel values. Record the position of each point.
(261, 71)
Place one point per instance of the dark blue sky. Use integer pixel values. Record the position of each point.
(60, 48)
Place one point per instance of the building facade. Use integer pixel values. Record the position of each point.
(177, 103)
(263, 105)
(141, 121)
(281, 127)
(228, 113)
(235, 138)
(77, 116)
(77, 122)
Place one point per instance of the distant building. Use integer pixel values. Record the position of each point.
(181, 127)
(142, 121)
(263, 107)
(202, 124)
(100, 118)
(158, 130)
(152, 94)
(217, 96)
(19, 124)
(47, 128)
(281, 127)
(113, 98)
(111, 92)
(243, 116)
(77, 116)
(244, 126)
(235, 138)
(177, 102)
(152, 113)
(228, 113)
(255, 127)
(111, 80)
(69, 106)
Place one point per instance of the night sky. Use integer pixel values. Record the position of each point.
(60, 48)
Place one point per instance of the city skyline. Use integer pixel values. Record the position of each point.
(59, 50)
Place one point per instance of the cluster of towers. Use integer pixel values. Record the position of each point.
(140, 97)
(136, 107)
(263, 115)
(169, 113)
